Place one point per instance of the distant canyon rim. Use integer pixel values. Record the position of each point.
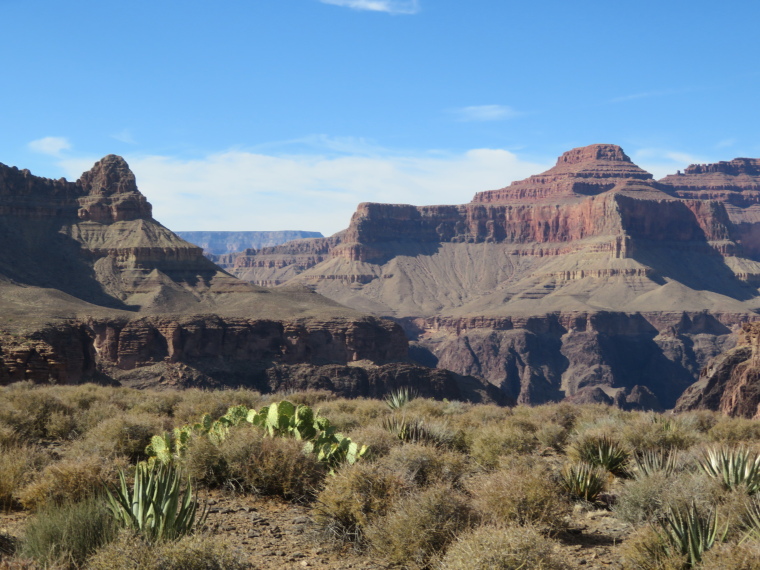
(590, 282)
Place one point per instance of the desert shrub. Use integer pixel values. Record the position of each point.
(354, 497)
(349, 414)
(475, 417)
(496, 440)
(309, 397)
(204, 463)
(69, 481)
(562, 414)
(26, 409)
(647, 499)
(196, 402)
(552, 435)
(502, 548)
(18, 463)
(65, 535)
(419, 527)
(379, 440)
(270, 465)
(646, 550)
(8, 436)
(195, 552)
(126, 434)
(425, 464)
(602, 451)
(524, 493)
(734, 430)
(654, 432)
(425, 408)
(741, 556)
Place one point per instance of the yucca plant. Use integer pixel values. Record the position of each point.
(156, 506)
(401, 397)
(750, 519)
(604, 452)
(583, 481)
(650, 461)
(734, 466)
(408, 431)
(689, 532)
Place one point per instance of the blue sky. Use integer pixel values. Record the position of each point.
(285, 114)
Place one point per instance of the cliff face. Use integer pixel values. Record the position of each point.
(513, 286)
(730, 383)
(93, 288)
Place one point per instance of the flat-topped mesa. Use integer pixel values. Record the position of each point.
(587, 170)
(111, 193)
(736, 182)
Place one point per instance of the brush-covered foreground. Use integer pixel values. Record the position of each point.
(442, 485)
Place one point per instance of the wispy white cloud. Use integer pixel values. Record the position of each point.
(52, 146)
(486, 113)
(240, 190)
(388, 6)
(725, 143)
(124, 136)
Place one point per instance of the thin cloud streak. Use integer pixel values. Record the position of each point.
(388, 6)
(52, 146)
(482, 113)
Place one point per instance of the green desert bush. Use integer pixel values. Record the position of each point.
(583, 481)
(602, 451)
(195, 552)
(63, 536)
(419, 527)
(524, 493)
(27, 408)
(157, 506)
(18, 464)
(270, 465)
(424, 464)
(356, 495)
(69, 481)
(502, 548)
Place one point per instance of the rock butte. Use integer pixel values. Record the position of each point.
(591, 281)
(93, 288)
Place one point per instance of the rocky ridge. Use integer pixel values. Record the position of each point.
(93, 288)
(670, 268)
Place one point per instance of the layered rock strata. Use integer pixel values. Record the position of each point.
(609, 280)
(93, 288)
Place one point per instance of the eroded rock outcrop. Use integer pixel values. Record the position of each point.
(589, 277)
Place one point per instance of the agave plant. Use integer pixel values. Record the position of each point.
(401, 397)
(652, 461)
(750, 519)
(408, 431)
(734, 466)
(156, 505)
(604, 452)
(583, 481)
(689, 532)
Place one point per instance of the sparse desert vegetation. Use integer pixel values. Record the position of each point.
(439, 485)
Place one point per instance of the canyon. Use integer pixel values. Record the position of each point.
(92, 288)
(590, 282)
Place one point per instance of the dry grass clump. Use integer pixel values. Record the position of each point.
(63, 536)
(496, 440)
(424, 464)
(502, 548)
(270, 466)
(734, 430)
(27, 408)
(524, 493)
(418, 528)
(18, 463)
(354, 497)
(346, 414)
(377, 438)
(70, 480)
(646, 550)
(736, 556)
(649, 431)
(126, 434)
(196, 402)
(195, 552)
